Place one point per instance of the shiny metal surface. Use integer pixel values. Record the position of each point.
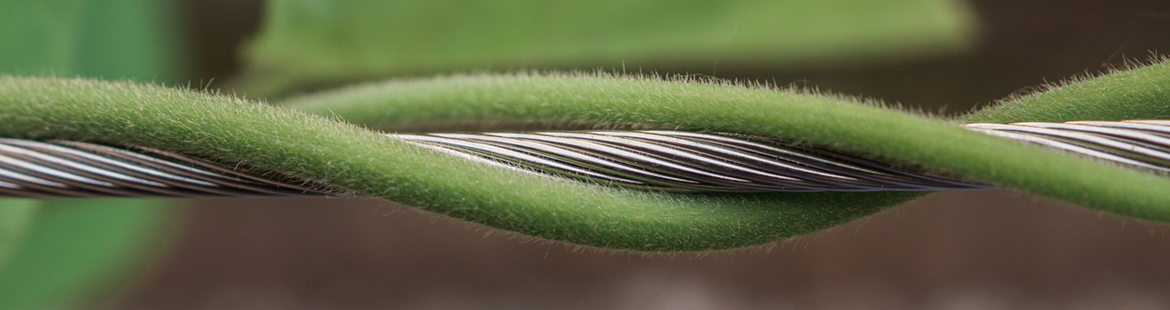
(78, 169)
(686, 161)
(651, 159)
(1140, 144)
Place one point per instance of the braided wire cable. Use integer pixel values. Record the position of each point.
(79, 169)
(674, 160)
(652, 159)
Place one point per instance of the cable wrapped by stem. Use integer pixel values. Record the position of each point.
(650, 159)
(337, 154)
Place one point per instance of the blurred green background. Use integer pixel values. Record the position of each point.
(981, 249)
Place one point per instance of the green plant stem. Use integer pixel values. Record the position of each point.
(232, 130)
(823, 121)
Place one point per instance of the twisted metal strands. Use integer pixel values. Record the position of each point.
(1142, 144)
(78, 169)
(674, 160)
(654, 159)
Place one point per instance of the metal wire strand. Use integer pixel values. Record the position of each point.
(652, 159)
(685, 161)
(1140, 144)
(78, 169)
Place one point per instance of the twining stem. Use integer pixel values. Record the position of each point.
(334, 152)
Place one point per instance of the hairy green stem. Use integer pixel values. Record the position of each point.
(326, 150)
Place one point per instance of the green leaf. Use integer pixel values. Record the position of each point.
(16, 215)
(39, 37)
(314, 42)
(136, 39)
(322, 149)
(77, 245)
(53, 255)
(131, 39)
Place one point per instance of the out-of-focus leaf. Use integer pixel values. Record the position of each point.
(38, 37)
(51, 255)
(113, 39)
(135, 39)
(76, 245)
(16, 215)
(321, 41)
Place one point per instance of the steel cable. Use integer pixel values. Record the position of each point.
(652, 159)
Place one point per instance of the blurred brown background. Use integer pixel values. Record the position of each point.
(952, 250)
